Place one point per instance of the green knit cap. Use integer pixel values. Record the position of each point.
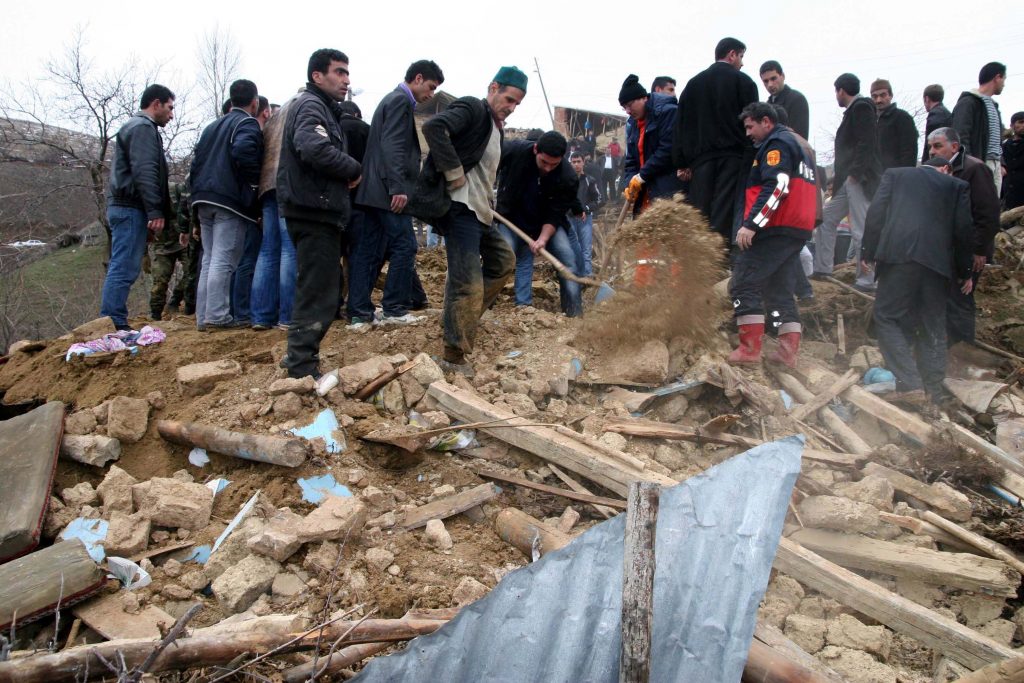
(511, 76)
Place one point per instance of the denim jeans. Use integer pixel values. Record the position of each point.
(241, 281)
(223, 235)
(127, 247)
(363, 265)
(584, 232)
(562, 246)
(273, 285)
(382, 236)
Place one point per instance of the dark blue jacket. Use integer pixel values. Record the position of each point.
(658, 172)
(226, 165)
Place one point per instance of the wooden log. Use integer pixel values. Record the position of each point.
(990, 548)
(774, 638)
(847, 437)
(639, 563)
(527, 533)
(933, 630)
(841, 334)
(275, 450)
(384, 379)
(449, 506)
(765, 664)
(544, 442)
(555, 491)
(825, 397)
(1006, 671)
(856, 292)
(958, 510)
(955, 570)
(921, 528)
(1009, 218)
(201, 650)
(605, 512)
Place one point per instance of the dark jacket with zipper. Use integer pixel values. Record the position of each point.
(970, 118)
(657, 171)
(984, 200)
(938, 117)
(857, 147)
(795, 104)
(707, 124)
(529, 199)
(314, 170)
(781, 191)
(138, 172)
(392, 159)
(227, 162)
(897, 138)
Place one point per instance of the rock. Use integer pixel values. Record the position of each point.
(539, 390)
(195, 580)
(1000, 630)
(841, 514)
(80, 494)
(94, 329)
(352, 378)
(91, 449)
(807, 632)
(175, 592)
(469, 590)
(156, 400)
(671, 457)
(520, 404)
(781, 599)
(159, 536)
(174, 503)
(199, 378)
(848, 631)
(322, 559)
(866, 357)
(673, 408)
(978, 609)
(130, 602)
(80, 422)
(395, 570)
(58, 516)
(304, 385)
(443, 491)
(646, 365)
(140, 495)
(287, 585)
(614, 440)
(287, 406)
(568, 519)
(820, 608)
(435, 419)
(414, 383)
(116, 491)
(335, 519)
(234, 548)
(437, 535)
(172, 568)
(89, 512)
(557, 407)
(856, 666)
(393, 401)
(128, 418)
(385, 521)
(239, 586)
(278, 540)
(872, 489)
(374, 496)
(127, 535)
(379, 559)
(358, 478)
(183, 475)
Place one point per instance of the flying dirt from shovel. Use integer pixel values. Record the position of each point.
(670, 261)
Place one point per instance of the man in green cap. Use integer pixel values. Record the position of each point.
(465, 148)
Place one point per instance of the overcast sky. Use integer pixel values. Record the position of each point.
(584, 53)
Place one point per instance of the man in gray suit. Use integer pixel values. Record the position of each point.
(390, 168)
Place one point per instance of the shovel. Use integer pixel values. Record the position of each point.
(604, 290)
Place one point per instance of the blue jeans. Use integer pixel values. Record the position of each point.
(584, 232)
(562, 246)
(223, 235)
(382, 236)
(241, 282)
(273, 285)
(127, 247)
(363, 260)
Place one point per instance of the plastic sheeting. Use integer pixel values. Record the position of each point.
(559, 618)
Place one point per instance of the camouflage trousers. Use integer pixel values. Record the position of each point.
(184, 288)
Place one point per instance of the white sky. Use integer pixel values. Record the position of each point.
(585, 52)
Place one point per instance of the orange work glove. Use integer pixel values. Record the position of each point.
(632, 191)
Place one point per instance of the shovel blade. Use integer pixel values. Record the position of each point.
(604, 292)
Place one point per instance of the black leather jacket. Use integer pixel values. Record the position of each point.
(138, 173)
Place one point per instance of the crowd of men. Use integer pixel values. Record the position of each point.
(276, 197)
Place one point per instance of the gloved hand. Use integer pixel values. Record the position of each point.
(632, 191)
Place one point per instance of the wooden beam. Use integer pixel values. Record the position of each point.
(849, 438)
(922, 528)
(839, 283)
(841, 334)
(956, 570)
(774, 638)
(921, 491)
(933, 630)
(990, 548)
(638, 569)
(531, 536)
(822, 399)
(554, 491)
(449, 506)
(34, 584)
(275, 450)
(605, 512)
(544, 442)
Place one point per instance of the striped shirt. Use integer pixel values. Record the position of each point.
(995, 150)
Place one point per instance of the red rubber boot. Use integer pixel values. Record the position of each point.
(749, 350)
(789, 346)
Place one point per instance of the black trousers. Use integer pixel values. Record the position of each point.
(318, 261)
(764, 280)
(910, 324)
(960, 312)
(714, 189)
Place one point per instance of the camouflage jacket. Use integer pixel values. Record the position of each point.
(178, 223)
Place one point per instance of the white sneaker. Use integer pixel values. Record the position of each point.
(407, 319)
(360, 327)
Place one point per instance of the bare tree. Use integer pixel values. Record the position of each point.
(219, 58)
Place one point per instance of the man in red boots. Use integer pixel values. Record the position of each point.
(778, 218)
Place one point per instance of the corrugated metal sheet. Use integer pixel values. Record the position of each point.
(559, 618)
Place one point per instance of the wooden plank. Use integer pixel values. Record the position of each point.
(555, 491)
(965, 437)
(990, 548)
(32, 585)
(841, 334)
(851, 290)
(106, 616)
(638, 569)
(933, 630)
(544, 442)
(154, 552)
(29, 445)
(824, 398)
(915, 525)
(451, 505)
(921, 491)
(774, 638)
(605, 512)
(849, 438)
(956, 570)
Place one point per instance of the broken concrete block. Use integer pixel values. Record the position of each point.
(58, 516)
(304, 385)
(435, 419)
(352, 378)
(287, 406)
(80, 422)
(848, 631)
(1000, 630)
(922, 593)
(385, 521)
(394, 402)
(234, 548)
(414, 382)
(379, 558)
(80, 494)
(173, 591)
(239, 586)
(195, 580)
(807, 632)
(841, 514)
(978, 609)
(200, 378)
(278, 539)
(646, 365)
(873, 490)
(174, 503)
(127, 535)
(469, 590)
(116, 491)
(437, 535)
(781, 599)
(287, 585)
(335, 519)
(375, 497)
(156, 400)
(856, 666)
(91, 449)
(127, 418)
(322, 559)
(520, 404)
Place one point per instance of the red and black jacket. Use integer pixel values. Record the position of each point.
(781, 194)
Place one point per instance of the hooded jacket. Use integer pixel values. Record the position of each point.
(657, 171)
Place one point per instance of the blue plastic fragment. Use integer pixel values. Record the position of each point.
(316, 489)
(91, 532)
(323, 427)
(878, 375)
(787, 400)
(199, 554)
(513, 354)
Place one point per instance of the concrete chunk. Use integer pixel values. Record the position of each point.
(174, 503)
(80, 422)
(200, 378)
(352, 378)
(848, 631)
(127, 535)
(335, 519)
(437, 535)
(241, 584)
(304, 385)
(278, 539)
(91, 449)
(127, 418)
(841, 514)
(116, 491)
(78, 495)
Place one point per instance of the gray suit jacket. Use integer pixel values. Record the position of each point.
(392, 160)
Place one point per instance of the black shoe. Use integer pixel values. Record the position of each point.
(819, 276)
(419, 305)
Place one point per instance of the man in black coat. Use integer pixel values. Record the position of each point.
(897, 132)
(918, 235)
(945, 143)
(314, 177)
(857, 170)
(1013, 162)
(710, 149)
(938, 115)
(977, 119)
(386, 234)
(793, 101)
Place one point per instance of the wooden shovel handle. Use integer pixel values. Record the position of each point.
(559, 266)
